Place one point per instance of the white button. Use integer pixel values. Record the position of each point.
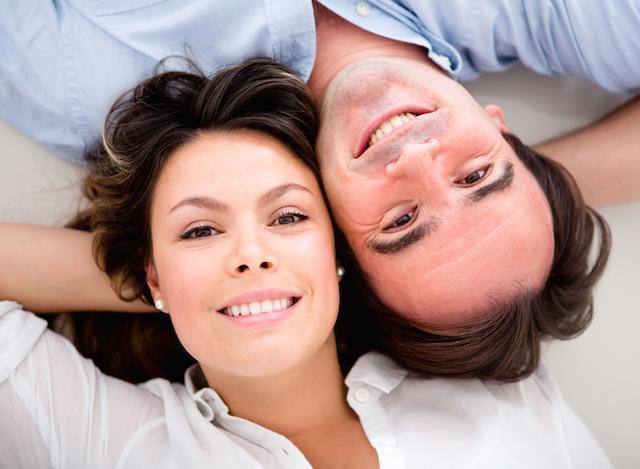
(362, 395)
(363, 8)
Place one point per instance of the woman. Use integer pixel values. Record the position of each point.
(206, 202)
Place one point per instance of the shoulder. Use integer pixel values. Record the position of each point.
(19, 332)
(465, 420)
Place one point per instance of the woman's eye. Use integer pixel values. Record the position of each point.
(474, 177)
(289, 218)
(199, 232)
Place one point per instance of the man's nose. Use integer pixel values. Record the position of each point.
(251, 253)
(415, 158)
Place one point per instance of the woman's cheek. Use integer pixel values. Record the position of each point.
(188, 280)
(318, 251)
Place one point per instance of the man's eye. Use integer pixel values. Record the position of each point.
(401, 221)
(474, 177)
(199, 232)
(289, 218)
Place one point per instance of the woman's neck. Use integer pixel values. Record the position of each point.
(307, 405)
(305, 399)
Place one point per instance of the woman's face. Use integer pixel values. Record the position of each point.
(243, 254)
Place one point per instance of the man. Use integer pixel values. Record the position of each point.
(409, 202)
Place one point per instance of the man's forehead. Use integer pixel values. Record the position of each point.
(458, 276)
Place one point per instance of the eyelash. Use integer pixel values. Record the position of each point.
(188, 235)
(300, 218)
(460, 181)
(297, 218)
(395, 224)
(468, 184)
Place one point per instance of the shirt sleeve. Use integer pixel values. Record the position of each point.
(58, 409)
(64, 62)
(592, 40)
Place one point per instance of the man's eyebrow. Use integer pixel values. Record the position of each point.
(428, 227)
(202, 202)
(500, 184)
(403, 242)
(280, 190)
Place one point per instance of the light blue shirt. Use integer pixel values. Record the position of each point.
(63, 63)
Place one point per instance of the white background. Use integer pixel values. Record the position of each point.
(598, 372)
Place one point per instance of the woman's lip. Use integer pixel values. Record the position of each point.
(377, 122)
(263, 318)
(259, 295)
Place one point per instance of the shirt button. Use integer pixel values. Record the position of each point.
(362, 395)
(363, 8)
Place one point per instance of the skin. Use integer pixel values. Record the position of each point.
(604, 172)
(204, 255)
(249, 245)
(479, 249)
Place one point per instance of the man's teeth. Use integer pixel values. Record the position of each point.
(387, 126)
(258, 307)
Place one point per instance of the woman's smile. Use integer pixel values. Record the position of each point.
(248, 276)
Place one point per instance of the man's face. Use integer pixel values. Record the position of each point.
(438, 209)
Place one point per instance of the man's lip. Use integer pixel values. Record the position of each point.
(259, 295)
(377, 122)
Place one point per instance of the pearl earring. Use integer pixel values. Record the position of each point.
(159, 304)
(340, 272)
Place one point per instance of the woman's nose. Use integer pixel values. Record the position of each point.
(264, 265)
(251, 254)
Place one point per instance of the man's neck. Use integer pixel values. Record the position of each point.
(340, 43)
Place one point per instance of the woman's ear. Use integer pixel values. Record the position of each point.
(495, 112)
(154, 286)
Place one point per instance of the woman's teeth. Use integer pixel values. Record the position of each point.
(257, 307)
(387, 126)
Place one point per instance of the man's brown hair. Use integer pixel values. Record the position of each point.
(504, 344)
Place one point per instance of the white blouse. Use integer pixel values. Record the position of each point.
(58, 410)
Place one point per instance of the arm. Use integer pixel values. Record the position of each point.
(603, 157)
(593, 40)
(49, 269)
(59, 76)
(57, 408)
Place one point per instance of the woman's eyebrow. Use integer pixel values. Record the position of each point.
(500, 184)
(211, 203)
(202, 202)
(280, 190)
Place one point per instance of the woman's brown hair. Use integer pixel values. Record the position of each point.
(142, 130)
(504, 344)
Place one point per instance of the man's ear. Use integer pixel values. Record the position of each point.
(495, 112)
